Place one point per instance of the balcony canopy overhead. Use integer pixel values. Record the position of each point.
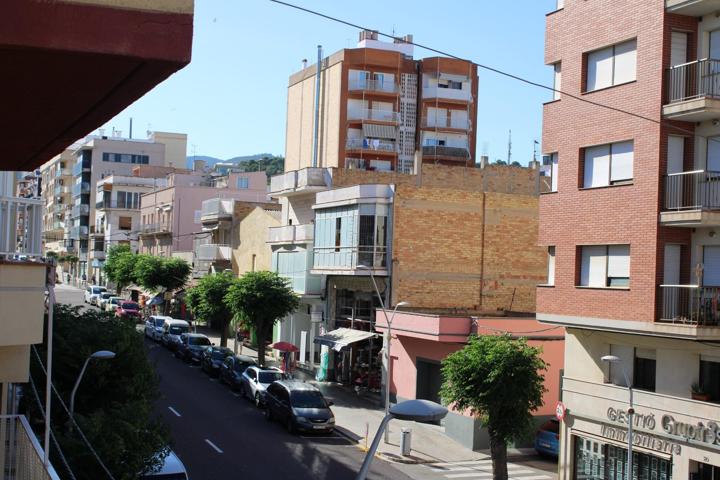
(74, 64)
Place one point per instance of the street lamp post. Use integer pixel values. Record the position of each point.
(631, 412)
(100, 355)
(413, 410)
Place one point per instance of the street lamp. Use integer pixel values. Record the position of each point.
(100, 355)
(631, 411)
(413, 410)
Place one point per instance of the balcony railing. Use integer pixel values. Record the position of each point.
(690, 305)
(299, 180)
(443, 151)
(78, 168)
(78, 232)
(80, 189)
(349, 258)
(98, 254)
(81, 209)
(446, 93)
(20, 452)
(371, 144)
(61, 189)
(149, 228)
(213, 252)
(373, 86)
(291, 233)
(373, 114)
(446, 122)
(21, 226)
(218, 207)
(697, 79)
(696, 190)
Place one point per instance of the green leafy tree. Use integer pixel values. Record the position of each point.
(500, 380)
(120, 266)
(206, 301)
(161, 274)
(114, 404)
(261, 299)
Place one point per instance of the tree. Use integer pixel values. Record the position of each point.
(120, 266)
(114, 404)
(206, 301)
(500, 162)
(161, 274)
(500, 380)
(260, 299)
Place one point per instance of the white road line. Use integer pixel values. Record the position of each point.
(480, 473)
(479, 468)
(213, 446)
(177, 414)
(469, 462)
(533, 477)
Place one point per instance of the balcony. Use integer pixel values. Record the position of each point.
(78, 210)
(21, 456)
(22, 308)
(693, 8)
(307, 180)
(155, 228)
(370, 114)
(341, 260)
(451, 94)
(290, 234)
(373, 86)
(27, 240)
(216, 209)
(446, 123)
(80, 167)
(97, 231)
(213, 252)
(61, 189)
(693, 91)
(690, 305)
(371, 144)
(82, 188)
(97, 254)
(460, 153)
(692, 199)
(78, 232)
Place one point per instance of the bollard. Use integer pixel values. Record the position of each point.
(405, 442)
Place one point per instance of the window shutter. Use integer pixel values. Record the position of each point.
(625, 61)
(711, 265)
(592, 271)
(618, 263)
(622, 161)
(597, 166)
(599, 69)
(676, 152)
(459, 119)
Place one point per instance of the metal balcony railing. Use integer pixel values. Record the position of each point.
(78, 210)
(374, 114)
(77, 232)
(371, 144)
(213, 252)
(149, 228)
(21, 226)
(443, 151)
(349, 258)
(690, 304)
(20, 452)
(373, 85)
(80, 189)
(691, 80)
(696, 190)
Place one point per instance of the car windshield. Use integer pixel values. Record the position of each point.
(219, 354)
(307, 399)
(106, 295)
(241, 366)
(199, 341)
(97, 290)
(129, 306)
(269, 377)
(159, 322)
(178, 329)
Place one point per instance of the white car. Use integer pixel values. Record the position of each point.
(171, 331)
(255, 381)
(103, 299)
(154, 326)
(92, 293)
(112, 303)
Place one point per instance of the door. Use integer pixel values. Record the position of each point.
(711, 183)
(674, 184)
(712, 81)
(678, 56)
(428, 381)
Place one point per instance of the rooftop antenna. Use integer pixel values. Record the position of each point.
(509, 157)
(130, 128)
(535, 146)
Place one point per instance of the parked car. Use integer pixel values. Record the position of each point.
(191, 346)
(92, 292)
(212, 359)
(126, 309)
(154, 326)
(547, 439)
(102, 300)
(171, 469)
(112, 303)
(171, 331)
(233, 368)
(300, 406)
(255, 381)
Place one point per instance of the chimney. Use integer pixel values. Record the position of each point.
(484, 160)
(198, 165)
(368, 35)
(304, 63)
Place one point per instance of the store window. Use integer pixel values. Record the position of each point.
(703, 471)
(597, 460)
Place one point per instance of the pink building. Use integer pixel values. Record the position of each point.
(170, 216)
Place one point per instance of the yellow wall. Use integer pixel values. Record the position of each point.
(253, 234)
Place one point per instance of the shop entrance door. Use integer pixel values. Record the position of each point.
(429, 380)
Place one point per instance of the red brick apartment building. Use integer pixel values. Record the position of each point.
(630, 223)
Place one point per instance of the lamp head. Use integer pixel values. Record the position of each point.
(610, 359)
(402, 304)
(103, 355)
(418, 411)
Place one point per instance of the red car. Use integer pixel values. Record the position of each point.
(128, 310)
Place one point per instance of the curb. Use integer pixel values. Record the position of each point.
(388, 457)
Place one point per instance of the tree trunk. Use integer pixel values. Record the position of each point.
(260, 335)
(498, 451)
(223, 334)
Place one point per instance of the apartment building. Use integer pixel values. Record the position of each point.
(377, 106)
(629, 224)
(56, 182)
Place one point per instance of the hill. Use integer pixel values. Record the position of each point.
(213, 160)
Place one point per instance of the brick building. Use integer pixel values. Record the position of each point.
(629, 227)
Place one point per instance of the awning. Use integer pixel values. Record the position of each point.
(379, 131)
(342, 338)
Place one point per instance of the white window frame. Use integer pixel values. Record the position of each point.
(550, 166)
(610, 154)
(603, 261)
(551, 266)
(557, 80)
(591, 82)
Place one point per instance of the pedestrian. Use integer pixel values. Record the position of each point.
(93, 279)
(84, 279)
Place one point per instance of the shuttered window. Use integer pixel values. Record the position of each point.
(608, 164)
(610, 66)
(605, 266)
(711, 265)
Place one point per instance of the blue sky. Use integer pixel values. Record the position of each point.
(231, 99)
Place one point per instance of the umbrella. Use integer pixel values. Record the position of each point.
(158, 300)
(284, 347)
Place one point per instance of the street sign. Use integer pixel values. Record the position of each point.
(560, 411)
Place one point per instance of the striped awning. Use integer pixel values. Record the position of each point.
(379, 131)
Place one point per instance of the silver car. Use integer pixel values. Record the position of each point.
(154, 326)
(255, 381)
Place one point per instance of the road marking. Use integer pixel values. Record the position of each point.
(482, 472)
(481, 468)
(470, 462)
(177, 414)
(533, 477)
(213, 446)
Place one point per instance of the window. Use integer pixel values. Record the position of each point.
(644, 371)
(711, 266)
(338, 233)
(549, 171)
(610, 66)
(557, 77)
(243, 182)
(597, 460)
(703, 471)
(125, 223)
(254, 257)
(605, 266)
(609, 164)
(551, 266)
(710, 378)
(125, 158)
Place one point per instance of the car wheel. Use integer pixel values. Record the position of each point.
(268, 414)
(258, 403)
(290, 425)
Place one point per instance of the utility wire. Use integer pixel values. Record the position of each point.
(79, 430)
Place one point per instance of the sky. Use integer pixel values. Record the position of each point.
(231, 98)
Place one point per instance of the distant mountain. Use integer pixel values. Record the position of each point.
(213, 160)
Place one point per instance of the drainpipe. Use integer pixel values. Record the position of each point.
(316, 129)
